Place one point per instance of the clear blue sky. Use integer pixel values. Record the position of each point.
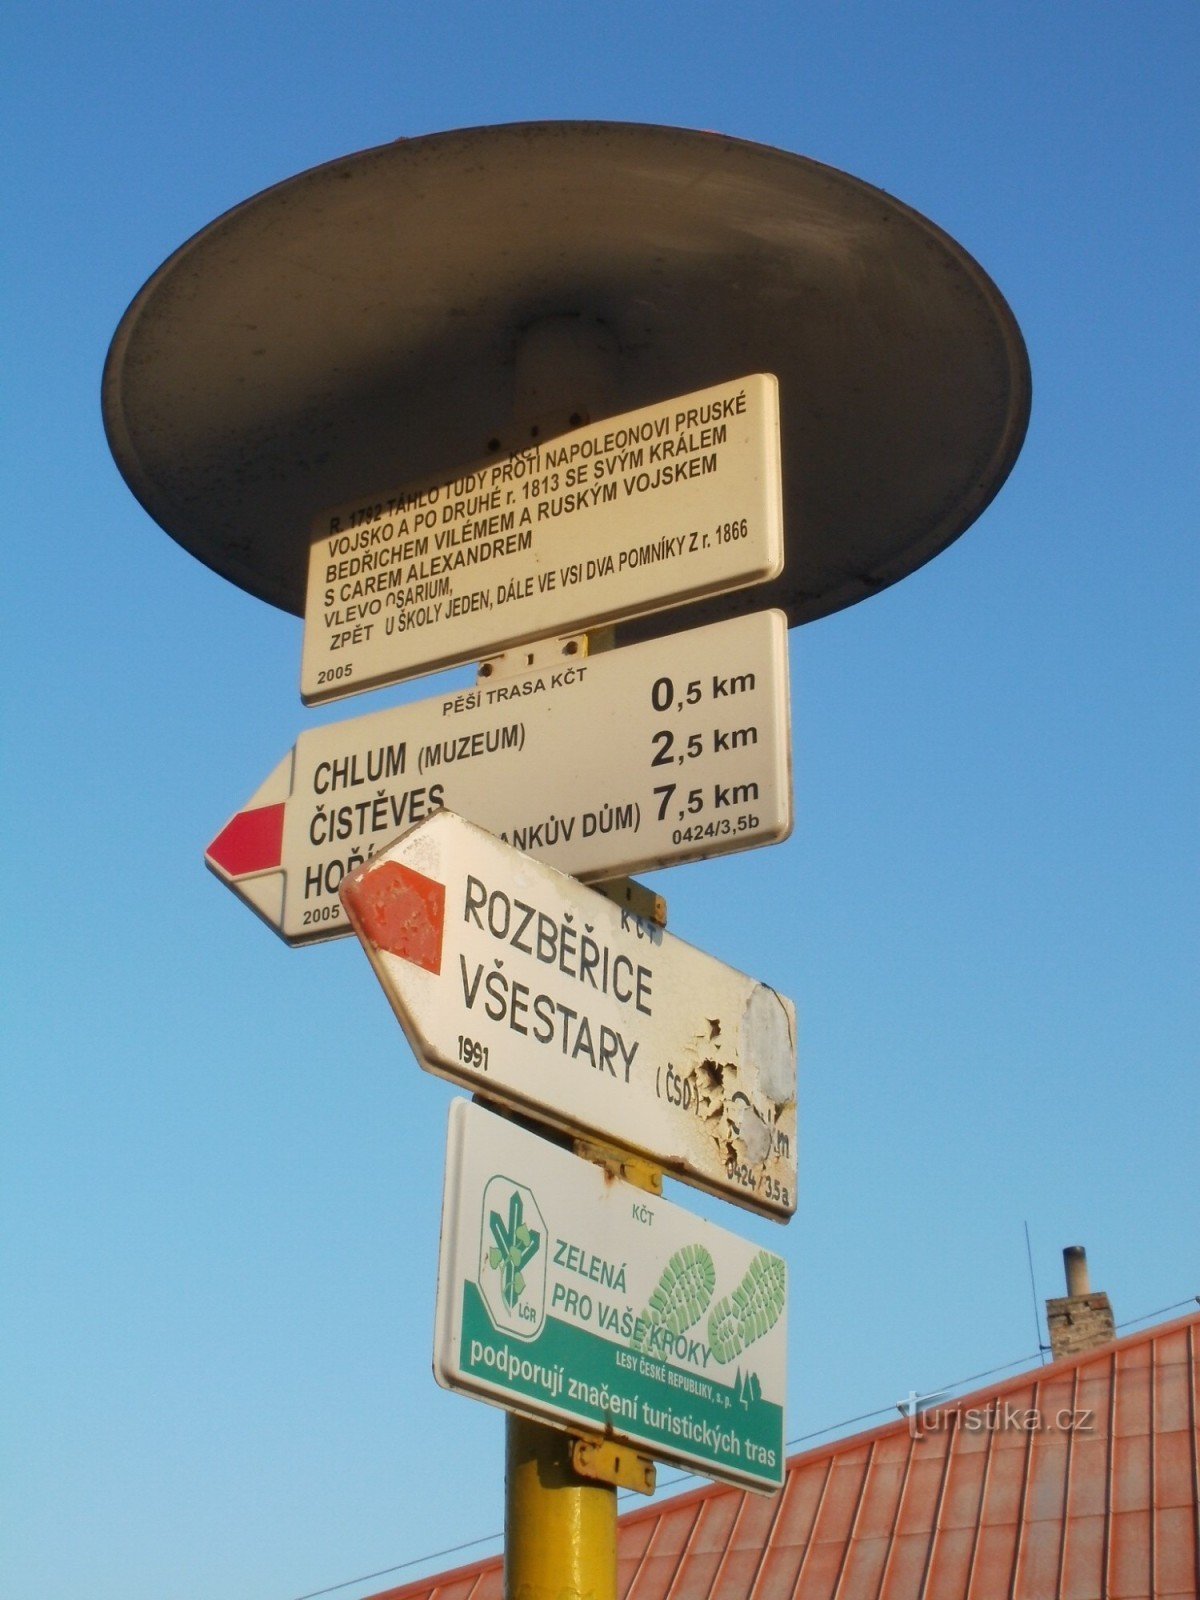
(221, 1174)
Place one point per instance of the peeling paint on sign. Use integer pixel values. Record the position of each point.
(550, 998)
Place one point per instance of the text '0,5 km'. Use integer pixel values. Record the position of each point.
(670, 503)
(514, 980)
(671, 750)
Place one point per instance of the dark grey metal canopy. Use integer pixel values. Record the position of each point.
(404, 312)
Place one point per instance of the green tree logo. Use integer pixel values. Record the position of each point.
(516, 1245)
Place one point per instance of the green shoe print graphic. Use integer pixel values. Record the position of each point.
(751, 1310)
(516, 1243)
(683, 1293)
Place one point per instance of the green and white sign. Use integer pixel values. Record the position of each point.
(576, 1299)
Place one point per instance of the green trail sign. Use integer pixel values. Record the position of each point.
(575, 1299)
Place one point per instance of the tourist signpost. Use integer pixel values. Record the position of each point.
(671, 750)
(669, 503)
(574, 1298)
(412, 313)
(518, 982)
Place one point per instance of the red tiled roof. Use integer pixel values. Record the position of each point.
(1099, 1501)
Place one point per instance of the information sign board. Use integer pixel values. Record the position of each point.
(666, 504)
(574, 1298)
(672, 750)
(511, 979)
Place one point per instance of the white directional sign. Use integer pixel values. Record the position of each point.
(576, 1299)
(639, 512)
(518, 982)
(667, 751)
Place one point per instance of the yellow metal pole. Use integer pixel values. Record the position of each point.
(560, 1530)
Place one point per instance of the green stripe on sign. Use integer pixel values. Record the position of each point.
(593, 1381)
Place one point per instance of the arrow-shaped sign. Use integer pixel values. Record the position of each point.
(518, 982)
(667, 751)
(250, 842)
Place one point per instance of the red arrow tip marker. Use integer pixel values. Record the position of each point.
(398, 910)
(252, 841)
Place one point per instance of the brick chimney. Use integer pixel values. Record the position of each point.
(1081, 1320)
